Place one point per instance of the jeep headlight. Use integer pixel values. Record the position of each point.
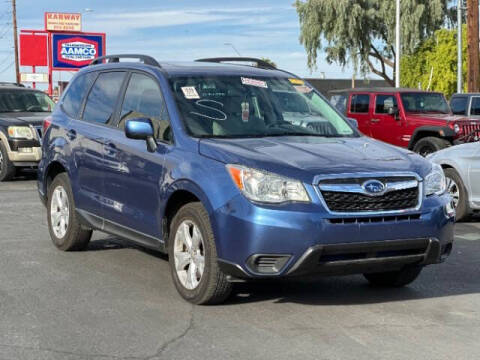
(435, 181)
(266, 187)
(20, 132)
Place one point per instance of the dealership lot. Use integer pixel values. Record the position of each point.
(118, 301)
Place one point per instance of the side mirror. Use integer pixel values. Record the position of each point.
(141, 129)
(353, 122)
(394, 112)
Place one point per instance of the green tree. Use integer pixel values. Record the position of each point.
(269, 61)
(433, 66)
(363, 31)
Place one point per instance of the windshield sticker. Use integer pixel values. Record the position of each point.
(190, 92)
(254, 82)
(245, 111)
(296, 81)
(303, 89)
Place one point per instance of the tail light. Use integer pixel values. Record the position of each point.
(46, 123)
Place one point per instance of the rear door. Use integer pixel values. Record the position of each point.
(384, 126)
(133, 176)
(359, 109)
(90, 133)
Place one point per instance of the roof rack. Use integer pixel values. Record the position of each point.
(262, 64)
(6, 83)
(147, 60)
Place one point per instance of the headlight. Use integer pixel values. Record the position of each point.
(20, 132)
(266, 187)
(435, 181)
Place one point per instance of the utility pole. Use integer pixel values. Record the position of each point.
(397, 46)
(15, 41)
(472, 46)
(459, 47)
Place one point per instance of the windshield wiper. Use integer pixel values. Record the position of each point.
(302, 134)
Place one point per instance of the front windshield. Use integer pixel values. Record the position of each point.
(424, 103)
(25, 101)
(235, 106)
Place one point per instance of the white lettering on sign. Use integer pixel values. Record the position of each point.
(78, 51)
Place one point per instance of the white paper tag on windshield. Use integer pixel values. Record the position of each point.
(190, 92)
(254, 82)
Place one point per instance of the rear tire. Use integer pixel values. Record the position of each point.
(394, 278)
(65, 230)
(429, 145)
(193, 257)
(457, 190)
(7, 169)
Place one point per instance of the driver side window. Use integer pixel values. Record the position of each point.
(143, 99)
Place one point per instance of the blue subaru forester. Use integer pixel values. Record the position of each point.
(237, 172)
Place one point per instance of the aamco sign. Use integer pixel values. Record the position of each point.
(74, 51)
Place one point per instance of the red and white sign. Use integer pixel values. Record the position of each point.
(55, 21)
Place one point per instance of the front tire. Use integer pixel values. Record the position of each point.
(193, 257)
(7, 169)
(394, 278)
(457, 191)
(65, 230)
(430, 144)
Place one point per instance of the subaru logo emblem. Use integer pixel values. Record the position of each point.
(373, 186)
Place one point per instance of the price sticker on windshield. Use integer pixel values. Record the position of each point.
(303, 89)
(254, 82)
(190, 92)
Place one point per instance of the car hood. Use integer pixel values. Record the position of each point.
(23, 118)
(306, 157)
(438, 117)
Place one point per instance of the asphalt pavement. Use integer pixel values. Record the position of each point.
(117, 301)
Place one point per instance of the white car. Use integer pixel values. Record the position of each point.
(461, 165)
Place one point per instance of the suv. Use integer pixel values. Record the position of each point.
(21, 113)
(196, 160)
(418, 120)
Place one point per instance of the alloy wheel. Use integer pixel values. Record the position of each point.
(454, 192)
(189, 254)
(59, 212)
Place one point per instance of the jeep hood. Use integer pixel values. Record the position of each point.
(435, 118)
(306, 157)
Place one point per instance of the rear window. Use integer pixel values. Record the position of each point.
(475, 109)
(76, 92)
(360, 103)
(459, 105)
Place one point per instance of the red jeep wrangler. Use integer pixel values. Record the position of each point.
(418, 120)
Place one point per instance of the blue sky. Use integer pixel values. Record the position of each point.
(178, 30)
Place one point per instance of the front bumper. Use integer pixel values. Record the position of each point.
(24, 152)
(263, 242)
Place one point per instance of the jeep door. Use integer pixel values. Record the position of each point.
(133, 175)
(386, 123)
(359, 110)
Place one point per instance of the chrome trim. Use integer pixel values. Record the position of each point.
(317, 187)
(360, 189)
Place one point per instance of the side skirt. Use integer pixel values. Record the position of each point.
(98, 223)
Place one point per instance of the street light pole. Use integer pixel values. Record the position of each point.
(459, 47)
(397, 46)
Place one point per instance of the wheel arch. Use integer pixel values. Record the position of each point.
(53, 169)
(442, 132)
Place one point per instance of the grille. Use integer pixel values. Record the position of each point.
(472, 131)
(354, 202)
(374, 219)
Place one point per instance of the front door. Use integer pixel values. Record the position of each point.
(133, 176)
(384, 125)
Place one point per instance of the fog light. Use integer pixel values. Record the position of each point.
(24, 150)
(267, 264)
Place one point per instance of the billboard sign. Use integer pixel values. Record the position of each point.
(55, 21)
(34, 77)
(74, 51)
(33, 50)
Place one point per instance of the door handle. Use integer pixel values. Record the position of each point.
(375, 120)
(71, 134)
(110, 149)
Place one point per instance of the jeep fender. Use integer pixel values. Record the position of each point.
(443, 132)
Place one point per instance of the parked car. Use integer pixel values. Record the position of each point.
(417, 120)
(22, 112)
(198, 161)
(462, 170)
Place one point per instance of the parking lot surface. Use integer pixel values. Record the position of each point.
(117, 301)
